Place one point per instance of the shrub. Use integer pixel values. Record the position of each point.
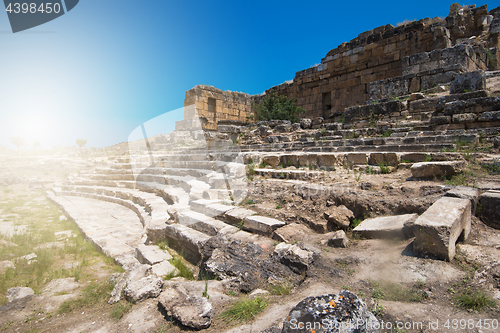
(278, 107)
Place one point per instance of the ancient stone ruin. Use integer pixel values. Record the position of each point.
(393, 119)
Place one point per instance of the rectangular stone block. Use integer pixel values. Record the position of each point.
(262, 225)
(386, 226)
(237, 215)
(439, 227)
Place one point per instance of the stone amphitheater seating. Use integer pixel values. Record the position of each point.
(184, 195)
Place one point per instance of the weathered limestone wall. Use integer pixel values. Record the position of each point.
(343, 78)
(379, 64)
(214, 105)
(426, 70)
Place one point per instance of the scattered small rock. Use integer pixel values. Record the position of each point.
(258, 292)
(17, 293)
(340, 216)
(295, 256)
(338, 239)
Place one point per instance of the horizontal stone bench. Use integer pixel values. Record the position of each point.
(440, 226)
(399, 226)
(262, 225)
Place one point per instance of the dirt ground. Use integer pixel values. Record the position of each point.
(397, 285)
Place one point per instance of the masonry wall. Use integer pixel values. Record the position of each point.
(214, 105)
(344, 75)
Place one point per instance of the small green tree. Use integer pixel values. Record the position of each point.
(81, 142)
(278, 107)
(18, 141)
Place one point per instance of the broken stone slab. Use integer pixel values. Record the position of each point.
(440, 226)
(190, 310)
(245, 266)
(345, 309)
(261, 224)
(489, 208)
(465, 192)
(135, 273)
(338, 239)
(305, 123)
(340, 216)
(164, 268)
(151, 254)
(293, 232)
(296, 256)
(385, 226)
(17, 293)
(147, 287)
(436, 169)
(235, 216)
(58, 286)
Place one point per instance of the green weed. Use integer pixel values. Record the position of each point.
(244, 310)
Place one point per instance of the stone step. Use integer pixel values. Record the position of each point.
(140, 211)
(212, 208)
(187, 241)
(201, 222)
(151, 254)
(262, 225)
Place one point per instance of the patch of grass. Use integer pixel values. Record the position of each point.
(384, 168)
(244, 310)
(386, 134)
(492, 168)
(459, 179)
(280, 289)
(475, 300)
(120, 309)
(396, 292)
(184, 271)
(251, 169)
(250, 202)
(91, 295)
(205, 291)
(428, 158)
(263, 165)
(163, 245)
(355, 223)
(281, 203)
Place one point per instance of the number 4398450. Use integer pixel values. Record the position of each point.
(33, 8)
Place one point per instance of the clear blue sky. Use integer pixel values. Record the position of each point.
(107, 66)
